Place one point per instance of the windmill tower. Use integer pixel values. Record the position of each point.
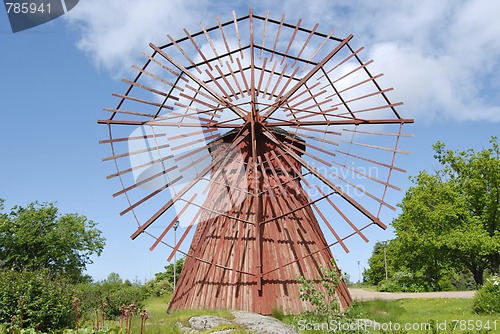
(275, 238)
(259, 136)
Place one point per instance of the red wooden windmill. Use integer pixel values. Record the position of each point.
(258, 136)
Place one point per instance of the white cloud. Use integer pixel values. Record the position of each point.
(441, 57)
(115, 32)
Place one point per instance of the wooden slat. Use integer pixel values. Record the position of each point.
(307, 76)
(356, 121)
(332, 230)
(152, 90)
(146, 180)
(176, 218)
(151, 195)
(219, 98)
(243, 76)
(224, 39)
(128, 170)
(277, 37)
(145, 150)
(211, 44)
(278, 81)
(396, 146)
(305, 91)
(343, 61)
(235, 79)
(154, 76)
(305, 43)
(364, 96)
(188, 186)
(135, 99)
(381, 133)
(261, 77)
(326, 181)
(183, 53)
(184, 235)
(237, 34)
(264, 32)
(226, 95)
(377, 147)
(117, 140)
(223, 76)
(197, 111)
(297, 26)
(198, 49)
(326, 39)
(372, 161)
(271, 76)
(134, 113)
(165, 67)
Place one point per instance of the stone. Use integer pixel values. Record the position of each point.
(202, 323)
(257, 323)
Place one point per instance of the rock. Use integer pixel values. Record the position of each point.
(186, 330)
(261, 324)
(252, 322)
(202, 323)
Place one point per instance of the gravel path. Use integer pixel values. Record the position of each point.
(360, 294)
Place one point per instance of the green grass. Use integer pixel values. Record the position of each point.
(412, 311)
(161, 322)
(454, 312)
(447, 316)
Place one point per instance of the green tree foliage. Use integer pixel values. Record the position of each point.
(375, 272)
(35, 297)
(37, 236)
(164, 281)
(487, 298)
(476, 175)
(450, 220)
(109, 295)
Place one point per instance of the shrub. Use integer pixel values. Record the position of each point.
(402, 282)
(35, 297)
(158, 288)
(487, 298)
(325, 303)
(111, 293)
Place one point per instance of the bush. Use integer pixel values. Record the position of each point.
(487, 298)
(35, 297)
(402, 282)
(158, 288)
(324, 302)
(111, 293)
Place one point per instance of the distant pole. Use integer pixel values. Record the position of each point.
(359, 272)
(176, 225)
(385, 260)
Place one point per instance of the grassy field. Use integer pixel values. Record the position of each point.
(447, 316)
(161, 322)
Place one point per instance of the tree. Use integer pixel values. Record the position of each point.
(450, 220)
(376, 270)
(163, 283)
(35, 297)
(168, 274)
(477, 176)
(37, 236)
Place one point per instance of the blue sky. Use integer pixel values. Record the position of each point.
(442, 59)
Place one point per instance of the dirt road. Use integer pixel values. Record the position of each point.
(360, 294)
